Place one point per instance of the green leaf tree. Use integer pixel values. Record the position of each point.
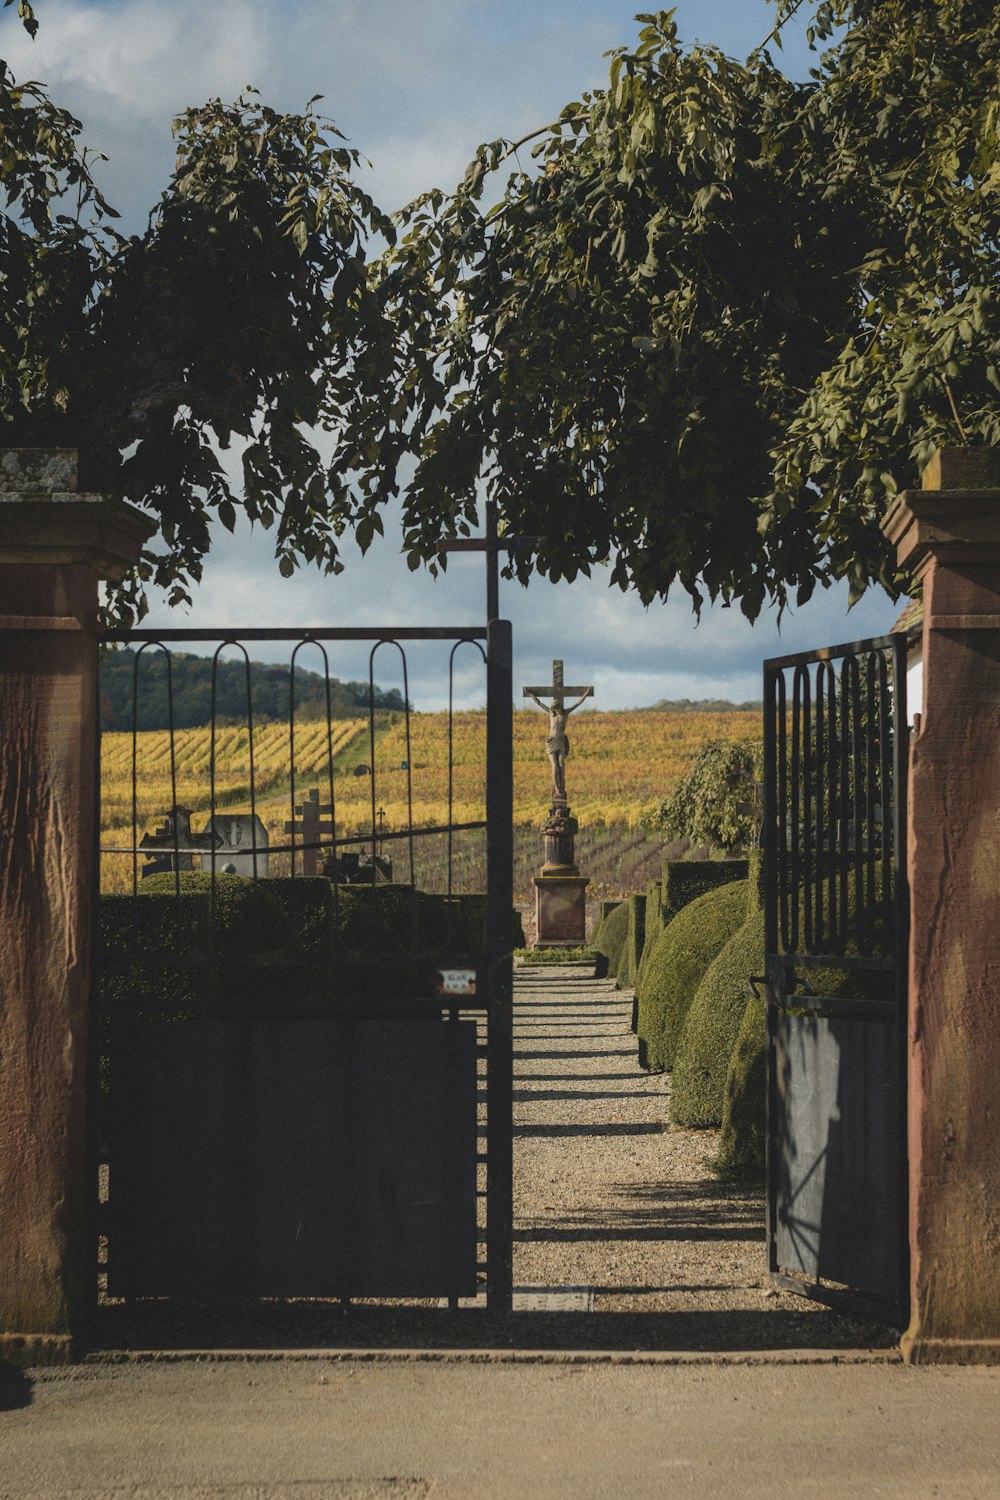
(720, 316)
(240, 316)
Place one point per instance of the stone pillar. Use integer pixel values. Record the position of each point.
(56, 542)
(948, 536)
(560, 889)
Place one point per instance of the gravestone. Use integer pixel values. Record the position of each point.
(238, 834)
(175, 840)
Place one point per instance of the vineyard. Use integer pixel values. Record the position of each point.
(621, 765)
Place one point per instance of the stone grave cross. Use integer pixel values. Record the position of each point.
(313, 823)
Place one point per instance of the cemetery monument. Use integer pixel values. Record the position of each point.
(560, 889)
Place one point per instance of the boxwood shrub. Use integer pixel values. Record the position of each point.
(712, 1026)
(628, 963)
(681, 953)
(609, 939)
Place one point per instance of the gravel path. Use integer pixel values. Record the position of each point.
(608, 1194)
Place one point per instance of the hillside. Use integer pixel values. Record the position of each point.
(191, 687)
(621, 765)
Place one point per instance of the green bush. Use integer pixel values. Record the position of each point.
(628, 963)
(685, 880)
(260, 947)
(712, 1026)
(609, 939)
(676, 966)
(743, 1142)
(719, 1076)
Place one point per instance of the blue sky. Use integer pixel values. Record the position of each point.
(415, 87)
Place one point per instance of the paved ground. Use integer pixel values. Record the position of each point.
(401, 1431)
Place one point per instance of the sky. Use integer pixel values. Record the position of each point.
(415, 87)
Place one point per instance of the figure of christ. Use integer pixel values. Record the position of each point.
(556, 741)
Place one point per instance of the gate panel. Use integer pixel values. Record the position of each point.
(308, 1093)
(836, 908)
(309, 1159)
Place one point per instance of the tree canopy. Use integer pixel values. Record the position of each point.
(700, 327)
(729, 314)
(241, 312)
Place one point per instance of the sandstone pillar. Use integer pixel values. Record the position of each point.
(56, 542)
(948, 536)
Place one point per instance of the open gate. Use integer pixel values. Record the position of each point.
(302, 1054)
(836, 913)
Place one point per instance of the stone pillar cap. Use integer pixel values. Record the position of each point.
(45, 519)
(955, 518)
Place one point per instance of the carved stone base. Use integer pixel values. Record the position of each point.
(561, 910)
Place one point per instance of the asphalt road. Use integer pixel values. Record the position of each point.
(401, 1429)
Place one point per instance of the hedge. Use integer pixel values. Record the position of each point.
(676, 966)
(609, 939)
(712, 1026)
(742, 1143)
(684, 880)
(628, 963)
(265, 945)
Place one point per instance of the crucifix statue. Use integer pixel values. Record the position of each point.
(556, 741)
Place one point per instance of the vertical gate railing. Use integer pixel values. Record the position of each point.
(328, 841)
(836, 923)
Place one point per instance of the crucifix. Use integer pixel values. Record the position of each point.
(492, 544)
(556, 741)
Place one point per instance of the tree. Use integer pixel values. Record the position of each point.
(242, 313)
(719, 320)
(715, 802)
(702, 335)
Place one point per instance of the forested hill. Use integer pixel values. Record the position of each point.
(192, 692)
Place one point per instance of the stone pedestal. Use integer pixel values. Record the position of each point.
(948, 536)
(56, 543)
(560, 889)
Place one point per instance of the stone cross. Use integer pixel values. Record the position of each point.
(175, 835)
(314, 821)
(556, 742)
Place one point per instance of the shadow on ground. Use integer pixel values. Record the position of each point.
(326, 1325)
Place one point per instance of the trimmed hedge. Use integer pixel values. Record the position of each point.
(609, 939)
(262, 946)
(684, 880)
(676, 966)
(652, 927)
(628, 963)
(743, 1143)
(712, 1026)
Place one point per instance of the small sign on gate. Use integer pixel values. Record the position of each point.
(456, 982)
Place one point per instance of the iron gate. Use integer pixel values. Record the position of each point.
(836, 910)
(302, 1059)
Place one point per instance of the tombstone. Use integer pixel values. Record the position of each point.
(174, 841)
(237, 834)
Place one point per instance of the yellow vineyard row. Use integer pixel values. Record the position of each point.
(620, 766)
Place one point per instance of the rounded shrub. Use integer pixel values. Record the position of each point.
(678, 960)
(609, 939)
(742, 1144)
(628, 962)
(712, 1026)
